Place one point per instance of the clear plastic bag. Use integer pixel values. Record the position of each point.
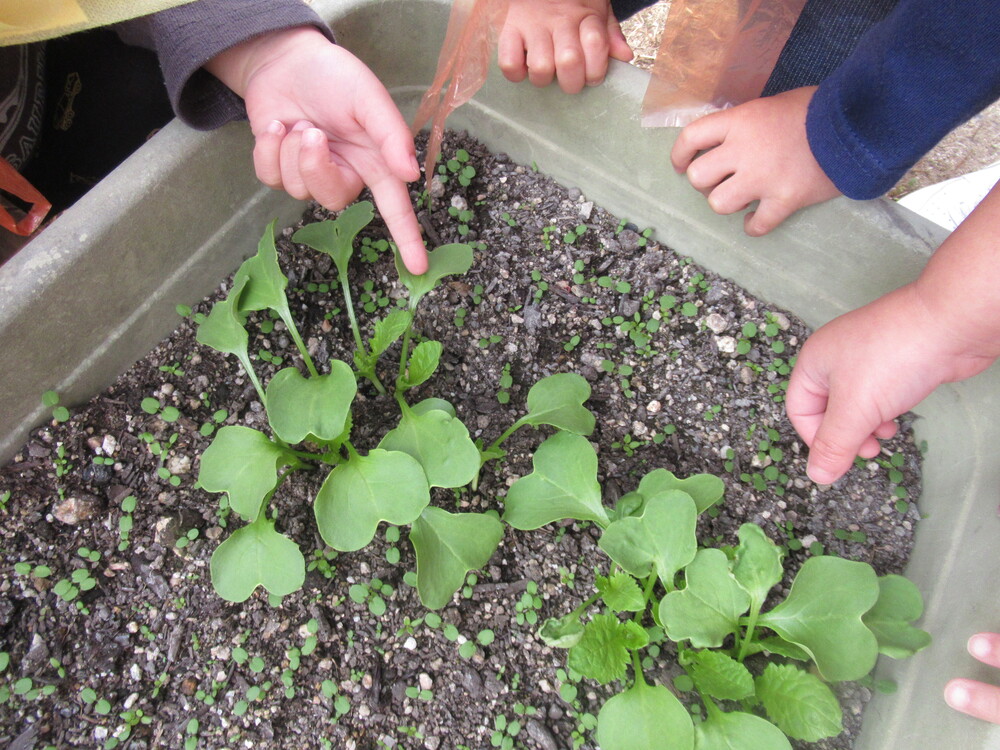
(715, 54)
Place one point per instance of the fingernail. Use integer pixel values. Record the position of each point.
(274, 127)
(980, 647)
(415, 165)
(313, 137)
(957, 696)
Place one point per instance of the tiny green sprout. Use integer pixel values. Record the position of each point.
(50, 399)
(689, 309)
(572, 343)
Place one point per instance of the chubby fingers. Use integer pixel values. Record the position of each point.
(974, 698)
(704, 133)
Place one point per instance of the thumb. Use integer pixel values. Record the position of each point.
(618, 45)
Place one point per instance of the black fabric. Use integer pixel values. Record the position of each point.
(103, 100)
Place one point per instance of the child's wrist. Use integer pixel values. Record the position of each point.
(237, 66)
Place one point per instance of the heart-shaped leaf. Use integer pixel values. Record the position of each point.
(799, 703)
(448, 546)
(558, 401)
(705, 489)
(899, 603)
(447, 260)
(708, 609)
(253, 556)
(366, 490)
(822, 614)
(643, 718)
(738, 730)
(243, 463)
(299, 407)
(758, 563)
(562, 485)
(661, 539)
(336, 237)
(439, 442)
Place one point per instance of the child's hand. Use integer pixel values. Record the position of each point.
(325, 127)
(757, 151)
(566, 39)
(977, 698)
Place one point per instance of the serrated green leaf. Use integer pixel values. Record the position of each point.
(243, 463)
(562, 485)
(709, 607)
(298, 407)
(448, 546)
(366, 490)
(738, 731)
(621, 593)
(899, 603)
(720, 676)
(336, 237)
(601, 653)
(705, 489)
(447, 260)
(822, 614)
(423, 362)
(253, 556)
(389, 329)
(557, 400)
(561, 632)
(661, 539)
(800, 703)
(758, 563)
(642, 718)
(439, 442)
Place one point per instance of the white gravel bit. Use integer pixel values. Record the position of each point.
(716, 323)
(410, 643)
(726, 344)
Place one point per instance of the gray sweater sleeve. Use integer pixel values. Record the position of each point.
(186, 37)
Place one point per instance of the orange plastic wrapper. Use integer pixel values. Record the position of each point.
(13, 183)
(715, 54)
(473, 29)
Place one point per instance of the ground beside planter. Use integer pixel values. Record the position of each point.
(320, 669)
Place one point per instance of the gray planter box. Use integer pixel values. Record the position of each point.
(98, 288)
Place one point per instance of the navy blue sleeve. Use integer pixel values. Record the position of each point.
(929, 66)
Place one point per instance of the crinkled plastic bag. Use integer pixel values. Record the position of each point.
(473, 28)
(715, 54)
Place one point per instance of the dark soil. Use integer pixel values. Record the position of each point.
(150, 637)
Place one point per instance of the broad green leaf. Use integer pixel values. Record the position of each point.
(800, 703)
(439, 442)
(563, 632)
(356, 496)
(629, 504)
(705, 489)
(447, 260)
(562, 485)
(243, 463)
(822, 614)
(709, 608)
(602, 653)
(223, 328)
(779, 646)
(645, 717)
(720, 676)
(738, 731)
(448, 546)
(389, 329)
(257, 555)
(662, 539)
(558, 401)
(298, 407)
(265, 283)
(423, 362)
(758, 563)
(431, 404)
(899, 603)
(336, 237)
(621, 593)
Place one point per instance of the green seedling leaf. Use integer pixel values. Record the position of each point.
(447, 260)
(257, 555)
(602, 653)
(223, 328)
(899, 603)
(738, 730)
(621, 593)
(709, 608)
(265, 283)
(336, 237)
(299, 407)
(439, 442)
(448, 546)
(366, 490)
(423, 362)
(557, 400)
(779, 646)
(720, 676)
(800, 703)
(562, 485)
(661, 540)
(432, 404)
(758, 563)
(705, 489)
(643, 718)
(822, 614)
(243, 463)
(562, 632)
(388, 330)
